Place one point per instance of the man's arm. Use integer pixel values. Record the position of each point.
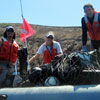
(84, 32)
(99, 19)
(35, 57)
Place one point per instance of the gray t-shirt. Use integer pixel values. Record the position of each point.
(55, 45)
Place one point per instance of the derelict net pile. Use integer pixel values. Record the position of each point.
(77, 68)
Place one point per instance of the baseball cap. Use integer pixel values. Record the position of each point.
(50, 34)
(9, 29)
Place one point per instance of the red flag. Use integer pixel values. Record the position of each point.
(26, 29)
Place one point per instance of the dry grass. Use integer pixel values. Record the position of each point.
(69, 37)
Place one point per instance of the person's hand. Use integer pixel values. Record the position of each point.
(84, 49)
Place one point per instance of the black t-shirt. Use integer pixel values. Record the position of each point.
(84, 28)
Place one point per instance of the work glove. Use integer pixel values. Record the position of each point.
(84, 49)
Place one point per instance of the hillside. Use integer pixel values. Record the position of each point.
(69, 37)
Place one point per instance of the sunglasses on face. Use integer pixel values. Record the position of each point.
(10, 32)
(50, 37)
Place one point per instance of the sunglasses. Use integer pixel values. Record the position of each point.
(50, 37)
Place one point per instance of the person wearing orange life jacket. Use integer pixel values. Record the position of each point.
(91, 24)
(49, 49)
(8, 52)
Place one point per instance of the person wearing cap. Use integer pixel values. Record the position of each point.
(90, 25)
(8, 52)
(49, 49)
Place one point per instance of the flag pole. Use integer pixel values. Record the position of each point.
(23, 22)
(28, 65)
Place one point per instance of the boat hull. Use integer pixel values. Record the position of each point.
(68, 92)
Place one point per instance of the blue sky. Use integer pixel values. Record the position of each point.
(45, 12)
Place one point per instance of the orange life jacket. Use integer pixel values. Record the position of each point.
(94, 29)
(47, 57)
(9, 52)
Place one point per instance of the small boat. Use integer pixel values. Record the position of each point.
(68, 77)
